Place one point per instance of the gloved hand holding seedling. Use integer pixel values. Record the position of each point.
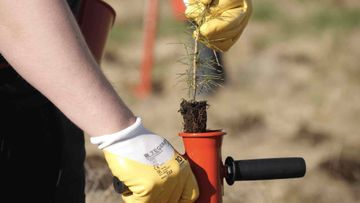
(217, 24)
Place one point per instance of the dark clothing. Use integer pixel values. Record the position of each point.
(2, 59)
(41, 152)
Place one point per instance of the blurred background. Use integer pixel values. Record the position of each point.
(292, 89)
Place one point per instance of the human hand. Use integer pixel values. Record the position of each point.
(148, 165)
(220, 22)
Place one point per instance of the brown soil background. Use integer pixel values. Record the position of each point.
(292, 89)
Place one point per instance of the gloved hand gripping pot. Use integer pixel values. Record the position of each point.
(148, 165)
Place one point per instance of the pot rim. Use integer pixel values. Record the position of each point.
(209, 133)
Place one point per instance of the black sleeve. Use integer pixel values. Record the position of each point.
(2, 60)
(75, 6)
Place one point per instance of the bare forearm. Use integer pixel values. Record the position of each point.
(43, 43)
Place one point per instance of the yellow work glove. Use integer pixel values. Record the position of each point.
(148, 165)
(220, 22)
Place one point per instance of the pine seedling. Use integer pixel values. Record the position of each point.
(198, 80)
(200, 76)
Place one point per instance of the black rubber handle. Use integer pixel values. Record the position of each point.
(264, 169)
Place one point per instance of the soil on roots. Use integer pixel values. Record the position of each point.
(194, 116)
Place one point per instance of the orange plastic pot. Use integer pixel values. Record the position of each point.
(203, 151)
(96, 19)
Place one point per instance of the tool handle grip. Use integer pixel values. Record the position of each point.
(264, 169)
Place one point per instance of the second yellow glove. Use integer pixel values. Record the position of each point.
(221, 22)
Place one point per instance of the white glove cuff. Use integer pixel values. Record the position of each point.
(136, 143)
(127, 133)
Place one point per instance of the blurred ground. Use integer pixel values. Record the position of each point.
(292, 89)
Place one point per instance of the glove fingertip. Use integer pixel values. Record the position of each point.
(194, 10)
(191, 190)
(206, 30)
(189, 13)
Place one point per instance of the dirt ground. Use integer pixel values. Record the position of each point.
(292, 89)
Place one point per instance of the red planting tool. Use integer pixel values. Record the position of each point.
(203, 150)
(204, 153)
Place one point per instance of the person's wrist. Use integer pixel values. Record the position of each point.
(104, 141)
(128, 121)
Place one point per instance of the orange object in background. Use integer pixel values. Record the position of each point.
(178, 8)
(203, 151)
(144, 88)
(96, 19)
